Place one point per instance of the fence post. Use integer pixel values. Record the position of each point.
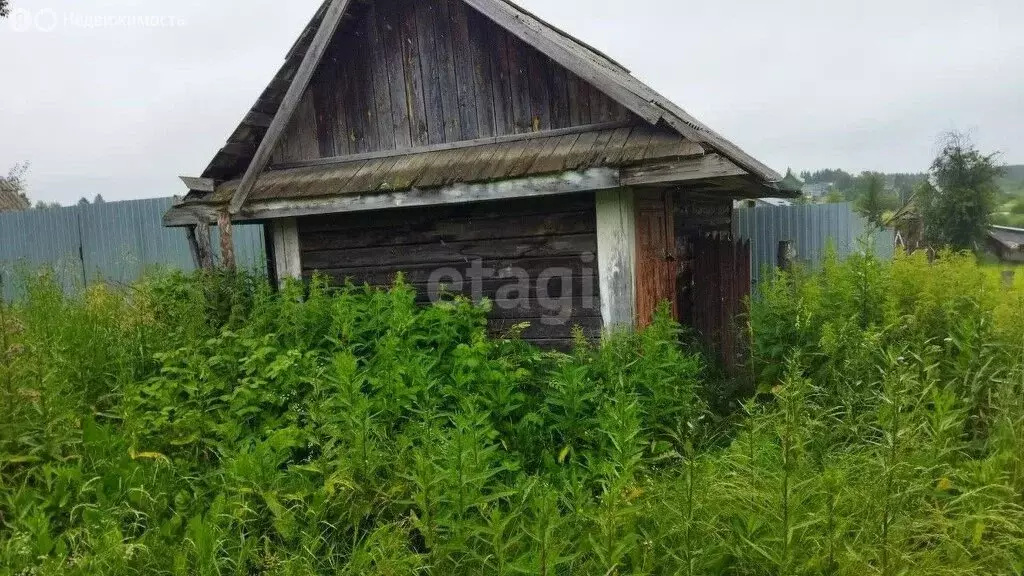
(786, 255)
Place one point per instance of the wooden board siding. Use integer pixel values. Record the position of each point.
(402, 75)
(655, 254)
(553, 240)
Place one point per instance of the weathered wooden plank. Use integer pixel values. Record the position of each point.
(455, 252)
(329, 24)
(614, 149)
(446, 68)
(417, 218)
(482, 79)
(538, 136)
(447, 231)
(343, 96)
(326, 109)
(554, 161)
(539, 68)
(492, 273)
(636, 145)
(432, 97)
(581, 150)
(501, 89)
(520, 188)
(555, 46)
(519, 84)
(287, 251)
(199, 184)
(560, 117)
(616, 250)
(678, 171)
(465, 75)
(415, 104)
(373, 27)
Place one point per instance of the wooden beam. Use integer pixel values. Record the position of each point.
(551, 185)
(203, 248)
(227, 241)
(455, 145)
(287, 252)
(199, 184)
(290, 103)
(616, 256)
(678, 171)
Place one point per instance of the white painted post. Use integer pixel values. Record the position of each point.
(616, 255)
(287, 255)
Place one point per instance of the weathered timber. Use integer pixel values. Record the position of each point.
(227, 240)
(291, 101)
(287, 252)
(199, 184)
(704, 167)
(534, 259)
(616, 254)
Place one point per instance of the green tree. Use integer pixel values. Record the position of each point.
(872, 203)
(957, 210)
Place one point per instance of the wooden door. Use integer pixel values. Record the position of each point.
(655, 254)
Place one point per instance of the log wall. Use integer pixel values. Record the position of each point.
(552, 241)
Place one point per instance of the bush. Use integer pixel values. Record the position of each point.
(204, 425)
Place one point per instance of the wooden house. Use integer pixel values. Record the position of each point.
(1007, 243)
(478, 149)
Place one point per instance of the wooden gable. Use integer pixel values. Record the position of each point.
(403, 75)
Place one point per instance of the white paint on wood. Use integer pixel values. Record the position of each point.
(616, 255)
(287, 253)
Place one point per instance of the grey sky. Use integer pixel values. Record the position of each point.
(119, 107)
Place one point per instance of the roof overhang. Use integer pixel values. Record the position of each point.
(708, 174)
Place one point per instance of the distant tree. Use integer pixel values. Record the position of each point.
(16, 179)
(5, 10)
(83, 201)
(43, 205)
(872, 203)
(957, 210)
(98, 199)
(834, 196)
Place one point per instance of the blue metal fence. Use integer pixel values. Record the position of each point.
(811, 229)
(108, 242)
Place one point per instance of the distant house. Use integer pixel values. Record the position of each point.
(465, 143)
(10, 199)
(1007, 243)
(817, 190)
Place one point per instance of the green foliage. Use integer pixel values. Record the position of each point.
(874, 201)
(958, 210)
(205, 425)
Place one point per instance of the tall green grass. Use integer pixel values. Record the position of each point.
(204, 425)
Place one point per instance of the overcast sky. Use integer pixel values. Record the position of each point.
(120, 107)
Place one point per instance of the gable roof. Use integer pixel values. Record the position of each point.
(10, 199)
(585, 61)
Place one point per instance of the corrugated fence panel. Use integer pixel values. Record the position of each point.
(113, 242)
(37, 238)
(811, 229)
